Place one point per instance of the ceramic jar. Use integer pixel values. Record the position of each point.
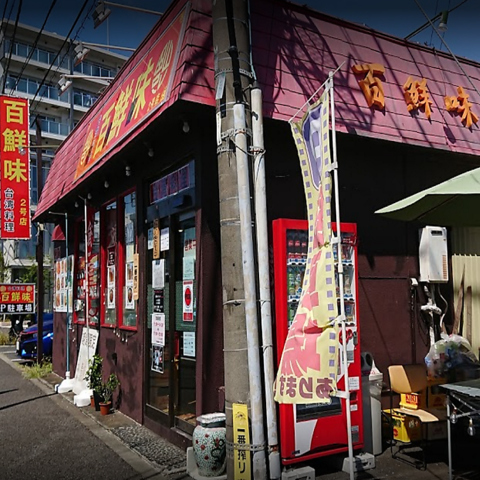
(209, 444)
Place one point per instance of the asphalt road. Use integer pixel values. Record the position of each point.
(42, 436)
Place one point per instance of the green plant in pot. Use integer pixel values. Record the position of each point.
(94, 377)
(105, 392)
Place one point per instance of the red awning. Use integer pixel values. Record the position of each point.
(58, 235)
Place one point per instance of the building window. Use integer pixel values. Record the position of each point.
(84, 99)
(89, 68)
(28, 85)
(109, 265)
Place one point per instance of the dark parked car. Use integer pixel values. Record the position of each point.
(26, 345)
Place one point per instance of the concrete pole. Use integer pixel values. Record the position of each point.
(232, 67)
(39, 249)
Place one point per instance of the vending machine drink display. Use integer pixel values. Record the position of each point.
(313, 430)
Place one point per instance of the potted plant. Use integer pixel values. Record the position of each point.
(94, 378)
(105, 392)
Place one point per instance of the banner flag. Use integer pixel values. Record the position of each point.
(309, 363)
(14, 169)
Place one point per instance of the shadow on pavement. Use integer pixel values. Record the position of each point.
(26, 401)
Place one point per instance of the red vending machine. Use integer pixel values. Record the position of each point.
(313, 430)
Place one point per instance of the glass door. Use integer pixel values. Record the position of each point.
(171, 322)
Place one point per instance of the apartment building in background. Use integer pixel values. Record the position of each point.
(39, 66)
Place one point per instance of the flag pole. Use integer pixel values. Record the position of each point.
(341, 318)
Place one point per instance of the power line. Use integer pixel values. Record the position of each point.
(57, 55)
(11, 43)
(35, 43)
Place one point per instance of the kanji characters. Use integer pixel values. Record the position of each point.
(371, 85)
(461, 105)
(417, 96)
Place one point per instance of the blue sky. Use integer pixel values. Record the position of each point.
(399, 18)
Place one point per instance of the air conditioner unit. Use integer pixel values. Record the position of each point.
(433, 255)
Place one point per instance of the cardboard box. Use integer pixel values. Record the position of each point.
(435, 431)
(436, 397)
(406, 428)
(414, 401)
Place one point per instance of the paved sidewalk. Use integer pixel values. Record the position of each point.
(155, 458)
(167, 460)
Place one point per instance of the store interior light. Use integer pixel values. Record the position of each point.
(89, 196)
(128, 170)
(185, 127)
(151, 153)
(106, 184)
(471, 428)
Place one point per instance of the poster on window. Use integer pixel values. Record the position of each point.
(158, 274)
(189, 344)
(111, 298)
(157, 359)
(188, 301)
(111, 276)
(158, 304)
(129, 297)
(158, 329)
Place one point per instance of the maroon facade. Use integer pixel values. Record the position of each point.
(384, 155)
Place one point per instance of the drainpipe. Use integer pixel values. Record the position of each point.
(248, 259)
(259, 183)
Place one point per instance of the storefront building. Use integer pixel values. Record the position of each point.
(144, 162)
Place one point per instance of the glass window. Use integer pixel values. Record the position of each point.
(96, 70)
(79, 274)
(43, 57)
(109, 261)
(22, 50)
(93, 271)
(129, 318)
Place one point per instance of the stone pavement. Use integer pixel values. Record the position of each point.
(155, 458)
(167, 460)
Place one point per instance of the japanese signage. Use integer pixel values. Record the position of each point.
(308, 367)
(63, 287)
(241, 438)
(142, 91)
(17, 298)
(170, 184)
(88, 347)
(15, 168)
(158, 329)
(188, 300)
(415, 91)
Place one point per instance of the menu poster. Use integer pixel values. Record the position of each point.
(158, 301)
(157, 358)
(111, 276)
(158, 329)
(111, 298)
(129, 301)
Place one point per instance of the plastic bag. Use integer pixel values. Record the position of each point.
(451, 352)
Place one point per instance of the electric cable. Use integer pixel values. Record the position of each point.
(11, 43)
(67, 39)
(80, 28)
(35, 43)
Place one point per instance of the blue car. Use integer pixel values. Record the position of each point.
(26, 345)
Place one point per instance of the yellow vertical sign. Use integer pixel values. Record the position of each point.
(241, 436)
(156, 239)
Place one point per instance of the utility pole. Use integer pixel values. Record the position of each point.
(231, 42)
(39, 249)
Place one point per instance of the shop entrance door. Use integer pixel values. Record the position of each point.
(171, 323)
